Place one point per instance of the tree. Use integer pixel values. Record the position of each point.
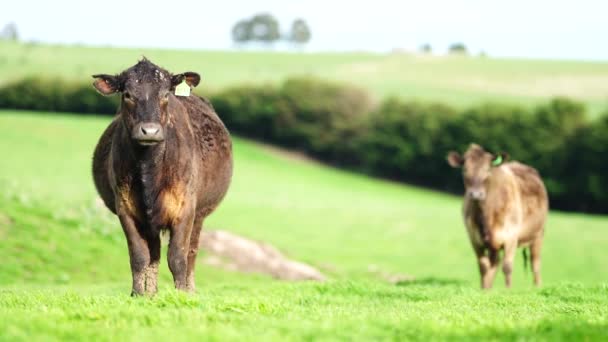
(458, 48)
(261, 28)
(9, 32)
(241, 31)
(264, 28)
(300, 32)
(426, 48)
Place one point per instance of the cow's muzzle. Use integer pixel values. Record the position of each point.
(476, 194)
(148, 133)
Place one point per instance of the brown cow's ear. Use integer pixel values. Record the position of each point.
(500, 158)
(192, 79)
(106, 84)
(455, 159)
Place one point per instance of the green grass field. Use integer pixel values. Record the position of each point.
(64, 271)
(456, 80)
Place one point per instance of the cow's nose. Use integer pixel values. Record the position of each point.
(477, 194)
(150, 129)
(148, 133)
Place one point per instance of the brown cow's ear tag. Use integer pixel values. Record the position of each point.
(182, 89)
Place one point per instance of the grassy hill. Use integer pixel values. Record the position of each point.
(456, 80)
(64, 272)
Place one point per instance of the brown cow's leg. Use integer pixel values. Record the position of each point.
(535, 249)
(152, 269)
(488, 265)
(507, 266)
(139, 254)
(494, 261)
(193, 251)
(484, 266)
(178, 250)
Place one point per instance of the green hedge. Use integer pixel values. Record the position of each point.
(55, 95)
(306, 114)
(400, 140)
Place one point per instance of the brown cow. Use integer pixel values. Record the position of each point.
(165, 162)
(505, 206)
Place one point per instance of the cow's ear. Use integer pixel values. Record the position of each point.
(455, 159)
(500, 158)
(191, 78)
(106, 84)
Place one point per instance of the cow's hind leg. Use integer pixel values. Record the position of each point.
(488, 264)
(535, 249)
(139, 254)
(193, 252)
(178, 250)
(507, 266)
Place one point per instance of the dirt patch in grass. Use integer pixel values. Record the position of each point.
(236, 253)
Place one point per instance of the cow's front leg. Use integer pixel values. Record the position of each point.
(178, 249)
(139, 254)
(488, 264)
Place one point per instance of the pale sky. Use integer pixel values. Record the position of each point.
(515, 28)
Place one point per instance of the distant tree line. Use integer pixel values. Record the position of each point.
(265, 28)
(454, 49)
(396, 139)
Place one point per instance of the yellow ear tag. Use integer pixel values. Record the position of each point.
(182, 89)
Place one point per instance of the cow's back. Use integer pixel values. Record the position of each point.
(534, 199)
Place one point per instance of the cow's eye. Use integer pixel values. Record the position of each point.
(127, 96)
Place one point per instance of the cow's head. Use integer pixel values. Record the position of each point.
(477, 167)
(146, 92)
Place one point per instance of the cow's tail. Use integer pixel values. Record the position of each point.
(526, 259)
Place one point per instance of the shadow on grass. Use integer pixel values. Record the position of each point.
(432, 281)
